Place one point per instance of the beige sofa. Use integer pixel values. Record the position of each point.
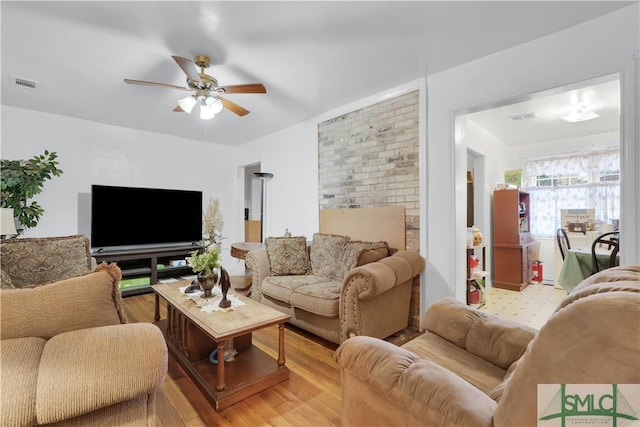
(336, 287)
(68, 355)
(473, 369)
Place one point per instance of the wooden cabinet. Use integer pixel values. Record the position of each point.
(514, 247)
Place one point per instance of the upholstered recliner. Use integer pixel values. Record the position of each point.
(68, 355)
(472, 369)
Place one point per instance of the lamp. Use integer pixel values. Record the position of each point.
(264, 177)
(209, 107)
(7, 223)
(582, 114)
(206, 112)
(187, 103)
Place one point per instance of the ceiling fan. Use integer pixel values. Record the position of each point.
(206, 89)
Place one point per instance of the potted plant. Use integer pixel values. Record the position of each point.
(21, 180)
(206, 265)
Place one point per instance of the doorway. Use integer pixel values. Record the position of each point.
(506, 134)
(252, 204)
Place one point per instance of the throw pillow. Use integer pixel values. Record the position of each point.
(359, 253)
(5, 281)
(374, 252)
(39, 260)
(326, 255)
(44, 311)
(288, 255)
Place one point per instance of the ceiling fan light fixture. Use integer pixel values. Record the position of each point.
(187, 103)
(214, 104)
(207, 112)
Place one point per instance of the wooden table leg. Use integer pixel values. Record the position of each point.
(281, 359)
(157, 313)
(221, 383)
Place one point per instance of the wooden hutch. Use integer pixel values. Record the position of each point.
(514, 247)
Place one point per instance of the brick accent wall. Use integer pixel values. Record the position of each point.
(369, 158)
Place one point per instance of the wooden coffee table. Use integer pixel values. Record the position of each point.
(192, 335)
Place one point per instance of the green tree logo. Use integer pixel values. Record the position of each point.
(588, 406)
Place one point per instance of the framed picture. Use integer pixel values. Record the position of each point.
(513, 177)
(578, 220)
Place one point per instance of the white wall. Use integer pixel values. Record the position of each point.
(92, 153)
(599, 47)
(291, 155)
(495, 155)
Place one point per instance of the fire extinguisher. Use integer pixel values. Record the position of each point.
(537, 271)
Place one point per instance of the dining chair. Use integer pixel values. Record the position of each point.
(612, 241)
(563, 242)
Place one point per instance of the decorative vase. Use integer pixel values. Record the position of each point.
(207, 282)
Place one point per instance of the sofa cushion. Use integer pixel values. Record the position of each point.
(281, 287)
(326, 255)
(18, 382)
(288, 255)
(479, 372)
(321, 298)
(93, 300)
(36, 261)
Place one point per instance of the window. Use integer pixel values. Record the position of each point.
(573, 182)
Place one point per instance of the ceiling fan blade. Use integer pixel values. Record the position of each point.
(188, 67)
(146, 83)
(178, 109)
(246, 88)
(233, 107)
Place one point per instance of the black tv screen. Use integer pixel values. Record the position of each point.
(130, 217)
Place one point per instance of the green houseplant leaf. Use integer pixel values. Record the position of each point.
(21, 180)
(206, 261)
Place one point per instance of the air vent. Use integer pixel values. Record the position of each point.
(525, 116)
(24, 83)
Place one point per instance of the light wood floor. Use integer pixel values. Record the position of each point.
(311, 396)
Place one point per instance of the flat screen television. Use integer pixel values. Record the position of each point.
(130, 217)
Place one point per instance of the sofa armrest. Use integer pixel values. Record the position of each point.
(258, 262)
(499, 341)
(373, 279)
(383, 384)
(85, 370)
(375, 297)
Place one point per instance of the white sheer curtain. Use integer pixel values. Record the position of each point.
(572, 182)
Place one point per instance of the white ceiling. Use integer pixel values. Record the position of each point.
(312, 56)
(546, 125)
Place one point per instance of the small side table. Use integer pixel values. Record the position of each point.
(240, 250)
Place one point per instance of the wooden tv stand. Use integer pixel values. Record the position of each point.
(144, 263)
